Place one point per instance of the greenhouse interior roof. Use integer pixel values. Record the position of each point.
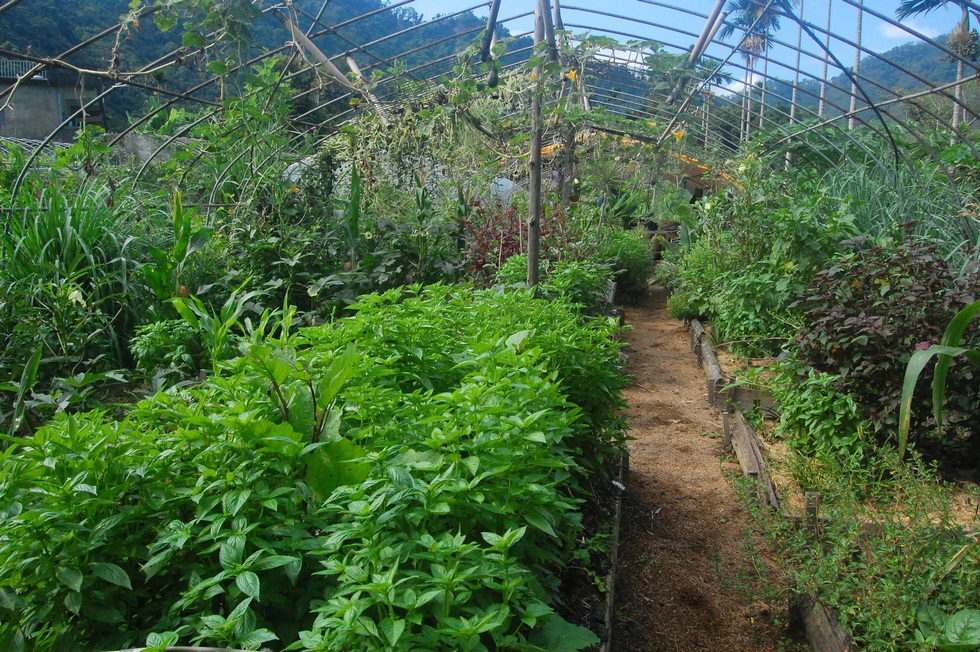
(332, 303)
(729, 73)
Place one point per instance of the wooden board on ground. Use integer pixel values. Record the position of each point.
(823, 630)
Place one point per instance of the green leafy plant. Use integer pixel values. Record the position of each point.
(585, 284)
(817, 419)
(165, 277)
(632, 261)
(421, 493)
(216, 329)
(22, 389)
(960, 632)
(170, 344)
(66, 264)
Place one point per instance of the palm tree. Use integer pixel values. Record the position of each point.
(826, 62)
(962, 41)
(857, 64)
(758, 19)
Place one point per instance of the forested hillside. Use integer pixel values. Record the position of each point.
(49, 28)
(905, 68)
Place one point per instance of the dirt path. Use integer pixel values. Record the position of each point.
(687, 579)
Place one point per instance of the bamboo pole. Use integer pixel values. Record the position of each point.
(534, 216)
(491, 30)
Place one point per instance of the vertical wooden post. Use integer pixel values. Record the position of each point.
(796, 81)
(485, 49)
(549, 30)
(559, 24)
(812, 513)
(534, 191)
(726, 430)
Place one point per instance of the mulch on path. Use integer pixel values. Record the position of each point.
(690, 560)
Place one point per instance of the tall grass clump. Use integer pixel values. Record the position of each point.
(894, 206)
(66, 270)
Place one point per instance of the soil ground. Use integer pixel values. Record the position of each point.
(693, 574)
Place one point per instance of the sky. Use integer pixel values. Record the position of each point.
(676, 23)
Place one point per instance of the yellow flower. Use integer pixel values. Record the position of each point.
(571, 75)
(678, 135)
(294, 189)
(534, 76)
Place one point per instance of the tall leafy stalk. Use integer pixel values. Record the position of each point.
(949, 346)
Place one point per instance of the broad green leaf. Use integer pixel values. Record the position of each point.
(962, 629)
(28, 377)
(198, 240)
(13, 641)
(73, 602)
(329, 466)
(231, 551)
(931, 619)
(541, 523)
(514, 341)
(472, 463)
(537, 437)
(556, 634)
(70, 577)
(112, 574)
(336, 374)
(185, 312)
(392, 629)
(233, 501)
(913, 370)
(248, 582)
(162, 639)
(272, 561)
(9, 599)
(256, 638)
(219, 67)
(85, 488)
(491, 538)
(192, 40)
(423, 460)
(953, 336)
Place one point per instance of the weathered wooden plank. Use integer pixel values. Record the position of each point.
(726, 430)
(745, 432)
(709, 362)
(820, 625)
(696, 331)
(743, 451)
(812, 512)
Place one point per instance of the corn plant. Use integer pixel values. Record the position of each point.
(949, 346)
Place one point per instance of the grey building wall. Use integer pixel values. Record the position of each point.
(36, 109)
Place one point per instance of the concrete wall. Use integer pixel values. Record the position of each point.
(37, 109)
(140, 147)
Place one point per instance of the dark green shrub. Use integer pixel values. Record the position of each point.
(867, 313)
(632, 262)
(584, 284)
(817, 419)
(168, 344)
